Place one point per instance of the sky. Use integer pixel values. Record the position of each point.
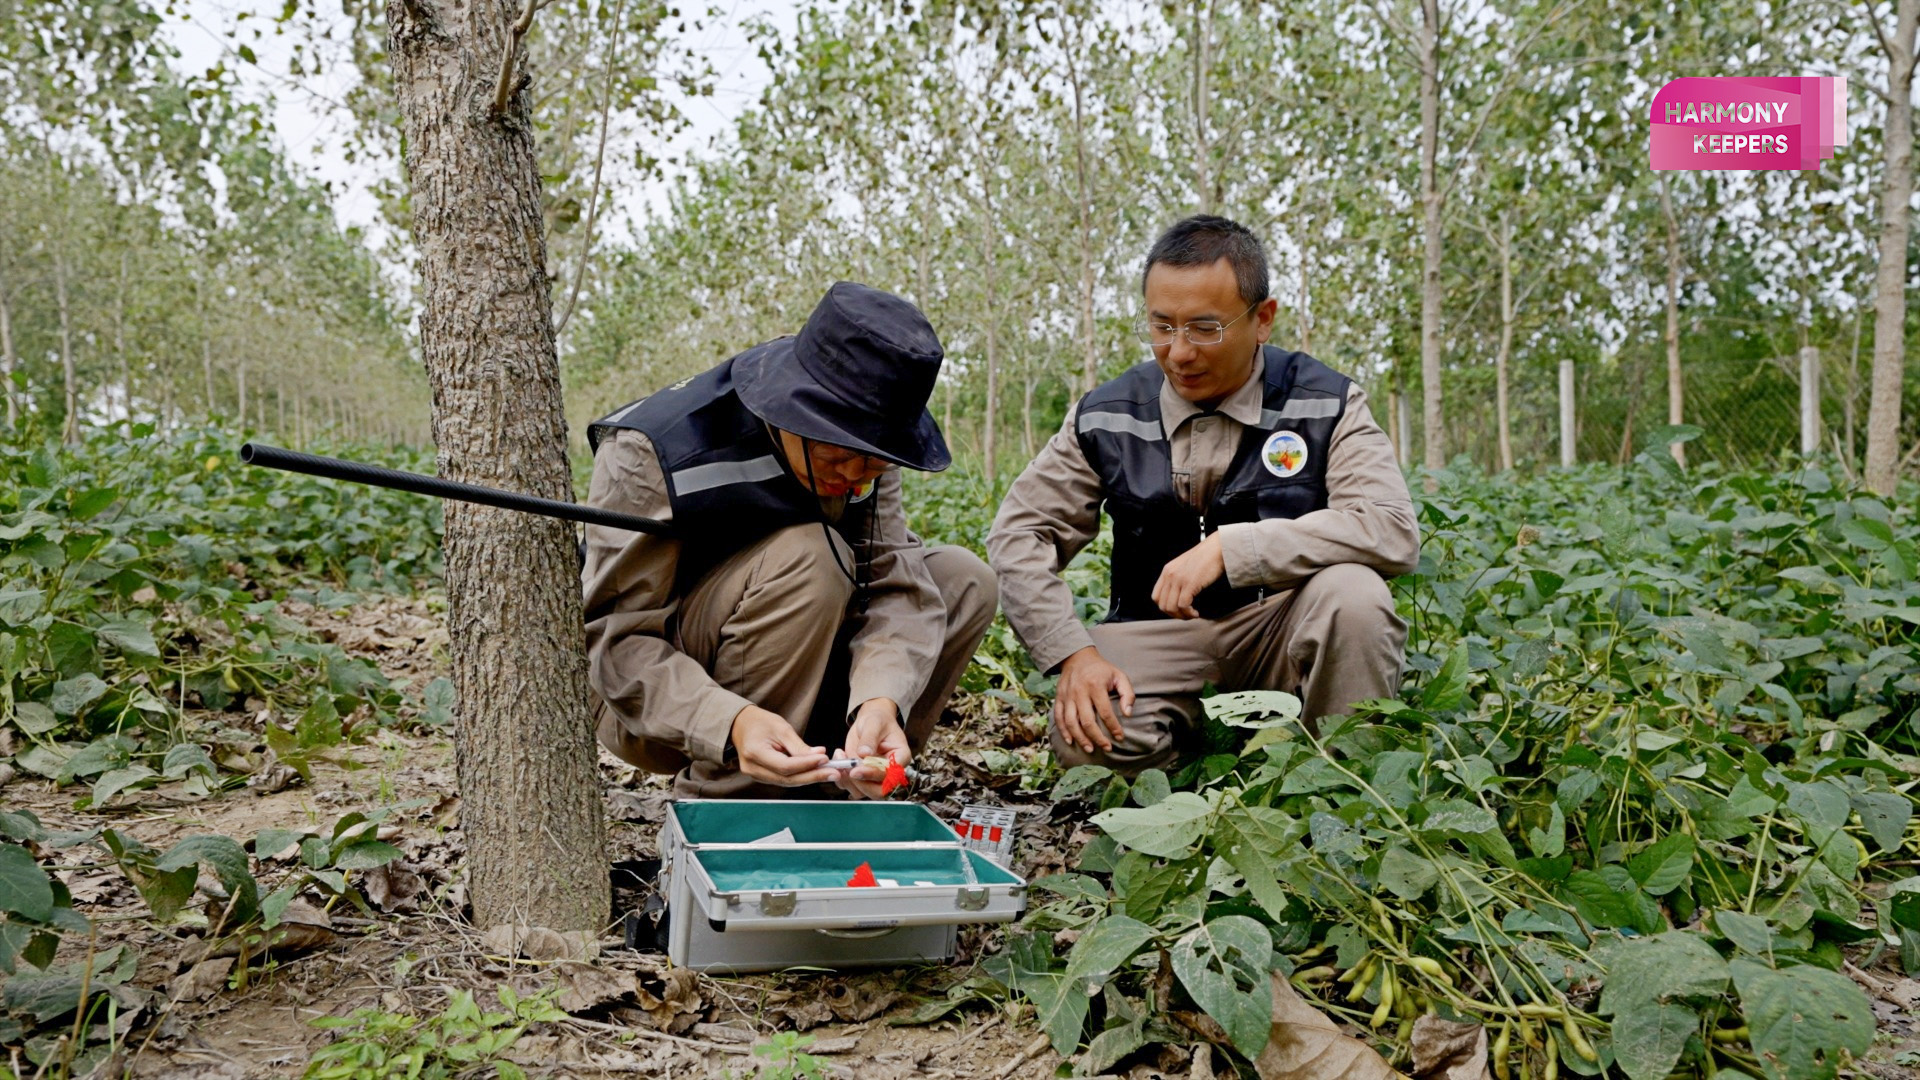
(312, 119)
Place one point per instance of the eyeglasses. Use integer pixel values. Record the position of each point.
(827, 458)
(1204, 332)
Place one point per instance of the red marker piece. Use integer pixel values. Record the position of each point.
(961, 828)
(863, 878)
(896, 778)
(995, 834)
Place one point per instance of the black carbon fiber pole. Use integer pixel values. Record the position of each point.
(273, 457)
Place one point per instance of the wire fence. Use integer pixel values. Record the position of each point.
(1749, 412)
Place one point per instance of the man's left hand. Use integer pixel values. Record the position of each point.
(875, 732)
(1183, 578)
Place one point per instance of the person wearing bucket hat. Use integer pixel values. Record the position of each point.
(791, 610)
(1257, 511)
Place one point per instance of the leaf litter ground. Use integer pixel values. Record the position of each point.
(629, 1013)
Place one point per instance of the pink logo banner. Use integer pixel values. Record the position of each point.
(1728, 122)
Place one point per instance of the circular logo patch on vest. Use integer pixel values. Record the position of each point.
(1285, 453)
(864, 491)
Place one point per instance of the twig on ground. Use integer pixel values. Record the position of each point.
(969, 1036)
(649, 1033)
(1013, 1064)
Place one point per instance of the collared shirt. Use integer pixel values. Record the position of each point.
(1053, 511)
(663, 695)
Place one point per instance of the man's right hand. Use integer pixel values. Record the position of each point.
(772, 752)
(1082, 703)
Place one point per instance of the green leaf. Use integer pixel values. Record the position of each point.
(1867, 534)
(365, 855)
(19, 605)
(34, 718)
(185, 758)
(1255, 840)
(1448, 690)
(228, 861)
(1884, 814)
(130, 637)
(1150, 787)
(1676, 964)
(114, 781)
(1168, 829)
(1801, 1017)
(72, 696)
(1076, 780)
(25, 889)
(1664, 867)
(1748, 932)
(1405, 874)
(89, 504)
(1648, 1038)
(1223, 964)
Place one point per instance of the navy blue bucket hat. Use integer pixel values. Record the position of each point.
(858, 375)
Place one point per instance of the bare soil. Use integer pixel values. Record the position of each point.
(631, 1013)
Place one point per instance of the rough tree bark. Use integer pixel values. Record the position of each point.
(1890, 304)
(7, 359)
(1091, 366)
(991, 420)
(1501, 415)
(1430, 295)
(1676, 389)
(530, 793)
(1202, 98)
(70, 433)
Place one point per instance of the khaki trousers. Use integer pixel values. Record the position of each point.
(767, 624)
(1333, 641)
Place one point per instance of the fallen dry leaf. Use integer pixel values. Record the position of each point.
(1304, 1045)
(857, 1001)
(391, 888)
(542, 944)
(674, 1001)
(584, 987)
(201, 981)
(1444, 1050)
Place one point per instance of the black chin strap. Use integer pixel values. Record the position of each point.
(861, 590)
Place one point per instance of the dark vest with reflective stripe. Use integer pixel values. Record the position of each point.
(1119, 428)
(725, 477)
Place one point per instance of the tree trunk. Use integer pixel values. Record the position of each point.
(1303, 304)
(8, 361)
(70, 433)
(1202, 97)
(992, 418)
(524, 743)
(1676, 391)
(1026, 407)
(240, 395)
(1430, 198)
(206, 368)
(1089, 376)
(120, 340)
(1890, 303)
(1501, 415)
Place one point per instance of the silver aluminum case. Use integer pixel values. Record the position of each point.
(768, 930)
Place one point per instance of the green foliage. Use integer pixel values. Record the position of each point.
(785, 1059)
(142, 581)
(1655, 745)
(370, 1044)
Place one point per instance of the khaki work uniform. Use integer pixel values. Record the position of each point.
(1326, 629)
(670, 671)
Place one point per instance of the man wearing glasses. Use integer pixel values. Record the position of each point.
(1257, 509)
(791, 610)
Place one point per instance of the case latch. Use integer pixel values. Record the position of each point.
(971, 899)
(777, 903)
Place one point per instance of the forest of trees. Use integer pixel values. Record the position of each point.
(1456, 198)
